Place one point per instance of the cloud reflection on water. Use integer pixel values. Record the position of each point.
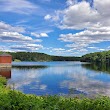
(63, 78)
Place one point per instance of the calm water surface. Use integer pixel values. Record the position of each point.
(62, 78)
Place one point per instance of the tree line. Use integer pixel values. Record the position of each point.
(35, 56)
(97, 57)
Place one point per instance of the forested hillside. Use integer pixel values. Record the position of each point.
(97, 57)
(34, 56)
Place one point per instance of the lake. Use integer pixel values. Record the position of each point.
(59, 78)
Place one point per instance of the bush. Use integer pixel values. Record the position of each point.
(3, 80)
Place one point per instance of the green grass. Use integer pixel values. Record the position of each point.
(16, 60)
(15, 100)
(3, 80)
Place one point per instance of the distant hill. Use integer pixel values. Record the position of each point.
(35, 56)
(97, 57)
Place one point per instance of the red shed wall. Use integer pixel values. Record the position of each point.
(5, 59)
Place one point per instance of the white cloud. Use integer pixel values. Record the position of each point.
(61, 51)
(43, 35)
(47, 17)
(4, 27)
(94, 20)
(5, 48)
(17, 6)
(39, 35)
(12, 35)
(85, 38)
(103, 7)
(83, 50)
(26, 47)
(101, 49)
(54, 17)
(79, 16)
(71, 2)
(92, 47)
(58, 49)
(34, 34)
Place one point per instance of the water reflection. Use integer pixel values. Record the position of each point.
(61, 78)
(99, 67)
(29, 66)
(26, 78)
(5, 72)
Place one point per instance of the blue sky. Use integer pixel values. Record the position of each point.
(55, 27)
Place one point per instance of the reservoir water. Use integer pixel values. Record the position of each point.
(60, 78)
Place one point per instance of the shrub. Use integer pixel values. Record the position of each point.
(3, 80)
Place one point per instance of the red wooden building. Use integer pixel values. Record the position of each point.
(5, 60)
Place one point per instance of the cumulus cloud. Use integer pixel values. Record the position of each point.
(85, 38)
(26, 47)
(54, 17)
(61, 51)
(47, 17)
(79, 16)
(16, 35)
(17, 6)
(92, 47)
(39, 35)
(4, 27)
(71, 2)
(58, 49)
(102, 7)
(95, 22)
(5, 48)
(43, 35)
(91, 17)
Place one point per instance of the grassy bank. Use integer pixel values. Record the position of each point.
(15, 100)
